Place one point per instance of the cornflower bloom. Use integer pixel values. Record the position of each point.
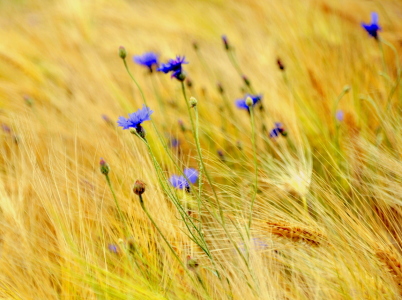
(278, 129)
(113, 248)
(135, 119)
(174, 66)
(181, 182)
(372, 28)
(241, 103)
(148, 59)
(339, 115)
(174, 142)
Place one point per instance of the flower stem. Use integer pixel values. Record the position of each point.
(255, 167)
(201, 161)
(164, 238)
(117, 203)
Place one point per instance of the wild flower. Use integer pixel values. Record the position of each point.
(113, 248)
(174, 66)
(174, 142)
(373, 28)
(107, 119)
(181, 182)
(6, 128)
(339, 115)
(135, 119)
(256, 244)
(241, 103)
(148, 59)
(278, 129)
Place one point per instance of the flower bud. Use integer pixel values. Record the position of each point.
(104, 167)
(28, 100)
(346, 88)
(225, 42)
(189, 83)
(192, 264)
(249, 101)
(181, 76)
(182, 126)
(280, 64)
(246, 80)
(220, 88)
(139, 187)
(122, 52)
(193, 102)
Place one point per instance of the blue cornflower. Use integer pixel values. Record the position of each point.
(135, 119)
(180, 182)
(174, 142)
(113, 248)
(148, 59)
(278, 129)
(241, 103)
(339, 115)
(174, 66)
(373, 27)
(256, 244)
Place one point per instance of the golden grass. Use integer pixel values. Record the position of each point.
(337, 184)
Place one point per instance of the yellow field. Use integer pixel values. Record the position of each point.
(315, 214)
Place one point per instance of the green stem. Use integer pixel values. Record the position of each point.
(164, 238)
(117, 203)
(255, 167)
(201, 161)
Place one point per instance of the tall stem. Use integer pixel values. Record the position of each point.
(255, 167)
(117, 203)
(201, 161)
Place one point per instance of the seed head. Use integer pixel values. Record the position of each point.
(139, 187)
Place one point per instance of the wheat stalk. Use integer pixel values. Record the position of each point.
(392, 265)
(296, 234)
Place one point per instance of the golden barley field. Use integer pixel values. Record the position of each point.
(270, 167)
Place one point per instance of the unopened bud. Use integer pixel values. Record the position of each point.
(192, 264)
(249, 101)
(189, 83)
(347, 88)
(122, 52)
(182, 126)
(220, 88)
(181, 76)
(280, 64)
(139, 187)
(225, 42)
(138, 130)
(28, 100)
(104, 167)
(246, 80)
(193, 102)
